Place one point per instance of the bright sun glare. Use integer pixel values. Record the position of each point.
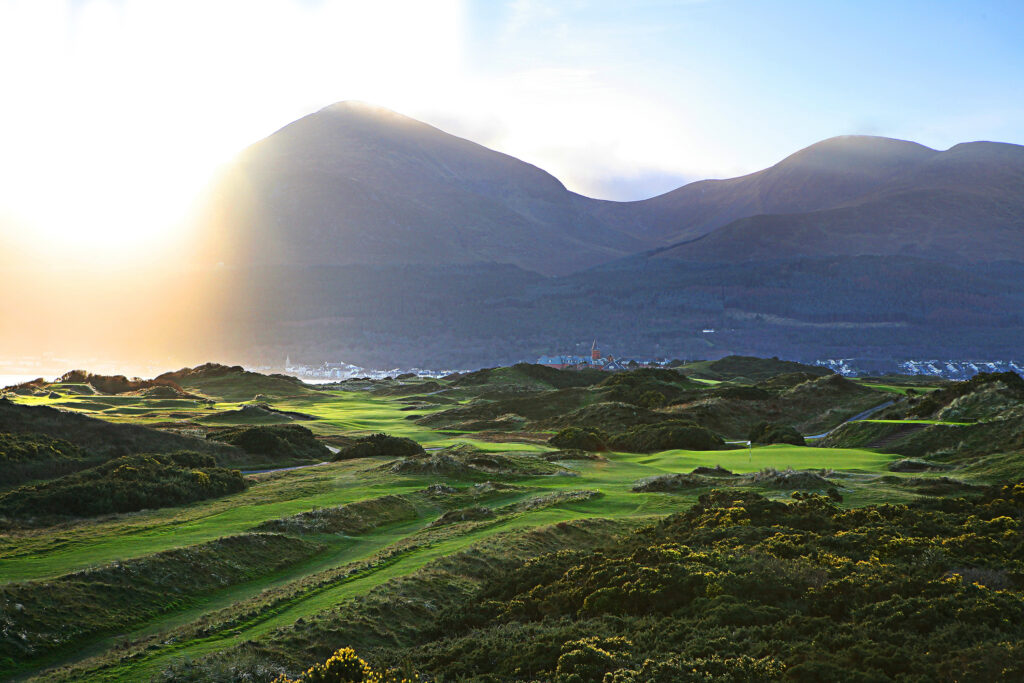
(120, 112)
(123, 111)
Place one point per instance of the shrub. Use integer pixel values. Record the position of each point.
(378, 445)
(589, 659)
(126, 484)
(279, 441)
(581, 439)
(771, 432)
(344, 667)
(665, 436)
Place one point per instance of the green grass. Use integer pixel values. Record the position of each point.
(47, 553)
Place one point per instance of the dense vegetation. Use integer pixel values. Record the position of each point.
(98, 437)
(471, 550)
(770, 432)
(810, 402)
(741, 588)
(750, 368)
(36, 456)
(380, 445)
(132, 482)
(668, 435)
(582, 439)
(289, 442)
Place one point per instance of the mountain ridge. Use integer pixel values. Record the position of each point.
(355, 183)
(383, 240)
(380, 187)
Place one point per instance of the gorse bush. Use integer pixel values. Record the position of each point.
(344, 667)
(36, 456)
(126, 484)
(743, 588)
(20, 448)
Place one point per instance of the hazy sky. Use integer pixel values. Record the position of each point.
(115, 113)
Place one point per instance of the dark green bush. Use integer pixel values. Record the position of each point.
(741, 588)
(126, 484)
(380, 445)
(771, 432)
(276, 441)
(666, 436)
(581, 439)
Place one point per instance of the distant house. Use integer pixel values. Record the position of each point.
(612, 364)
(561, 362)
(595, 362)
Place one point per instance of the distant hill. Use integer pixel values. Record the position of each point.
(354, 184)
(234, 383)
(749, 368)
(825, 175)
(966, 203)
(357, 234)
(357, 184)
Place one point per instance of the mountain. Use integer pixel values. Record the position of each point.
(825, 175)
(356, 184)
(964, 204)
(357, 234)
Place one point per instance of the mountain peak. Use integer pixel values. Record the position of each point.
(858, 152)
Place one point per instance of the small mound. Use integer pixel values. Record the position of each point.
(441, 490)
(914, 465)
(257, 413)
(556, 498)
(668, 435)
(234, 383)
(163, 391)
(486, 487)
(352, 519)
(571, 454)
(791, 479)
(435, 463)
(463, 460)
(829, 387)
(509, 422)
(380, 445)
(938, 486)
(277, 442)
(471, 514)
(606, 416)
(716, 471)
(670, 482)
(527, 375)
